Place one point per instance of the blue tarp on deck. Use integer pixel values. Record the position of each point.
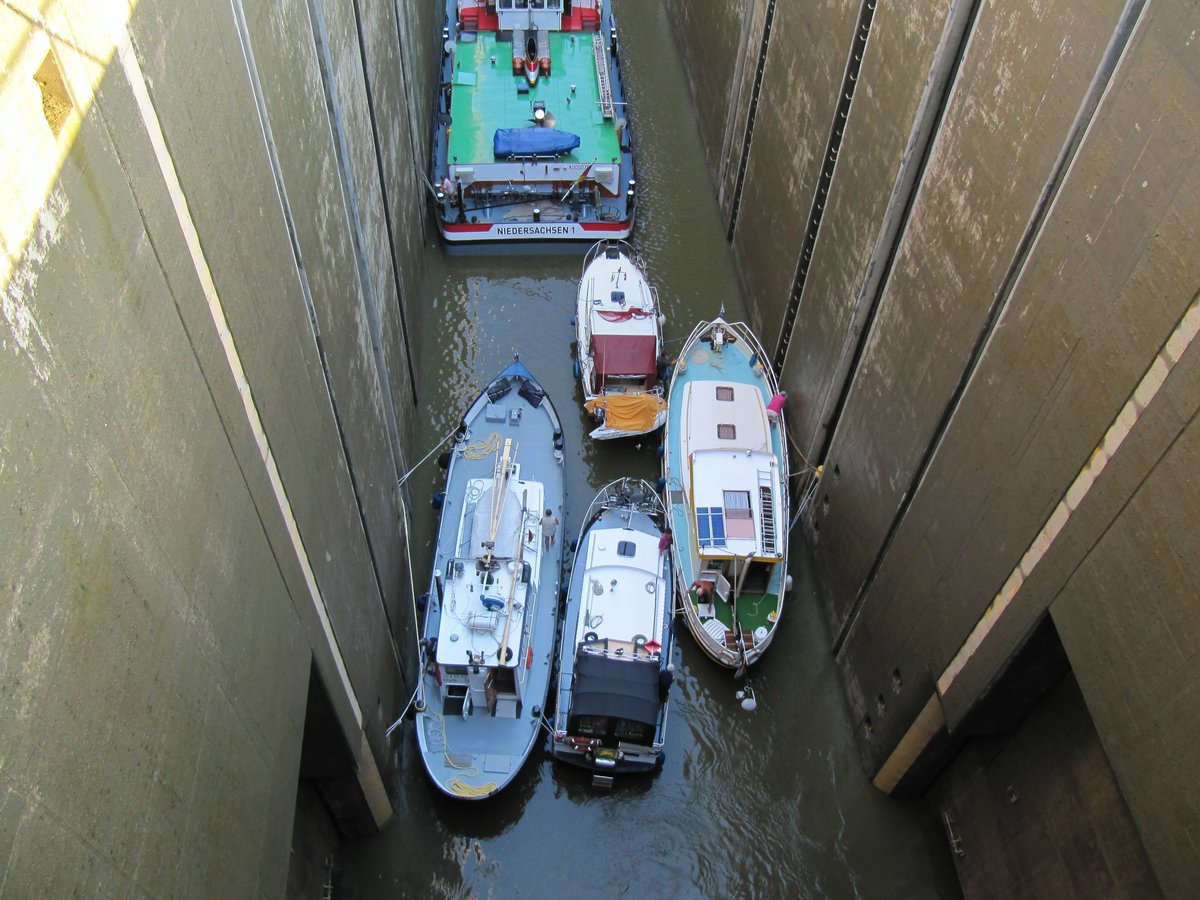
(532, 141)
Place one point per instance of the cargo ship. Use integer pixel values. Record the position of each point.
(531, 129)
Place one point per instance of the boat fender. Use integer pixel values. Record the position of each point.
(661, 451)
(577, 370)
(787, 582)
(573, 319)
(661, 483)
(590, 636)
(574, 544)
(444, 460)
(666, 677)
(422, 601)
(438, 499)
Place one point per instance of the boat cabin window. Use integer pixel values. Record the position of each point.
(591, 726)
(737, 504)
(613, 729)
(727, 432)
(634, 732)
(725, 393)
(626, 548)
(710, 526)
(738, 523)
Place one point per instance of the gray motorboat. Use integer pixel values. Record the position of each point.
(491, 613)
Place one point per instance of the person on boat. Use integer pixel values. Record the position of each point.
(703, 589)
(664, 542)
(448, 189)
(775, 407)
(549, 527)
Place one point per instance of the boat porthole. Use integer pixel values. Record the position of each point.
(651, 587)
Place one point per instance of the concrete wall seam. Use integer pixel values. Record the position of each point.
(344, 697)
(1122, 426)
(748, 135)
(355, 228)
(1101, 80)
(272, 153)
(735, 112)
(947, 60)
(816, 211)
(383, 193)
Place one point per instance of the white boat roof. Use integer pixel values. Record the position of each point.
(483, 612)
(623, 590)
(616, 285)
(704, 415)
(727, 449)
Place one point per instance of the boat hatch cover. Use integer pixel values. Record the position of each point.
(622, 688)
(625, 354)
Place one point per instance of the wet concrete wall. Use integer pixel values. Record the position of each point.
(206, 380)
(985, 326)
(1050, 777)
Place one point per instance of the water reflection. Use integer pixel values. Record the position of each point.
(768, 804)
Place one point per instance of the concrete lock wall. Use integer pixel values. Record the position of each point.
(209, 276)
(967, 231)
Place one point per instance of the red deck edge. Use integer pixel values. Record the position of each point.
(458, 228)
(479, 19)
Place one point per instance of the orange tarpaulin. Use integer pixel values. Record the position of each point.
(628, 412)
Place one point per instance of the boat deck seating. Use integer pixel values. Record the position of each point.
(717, 630)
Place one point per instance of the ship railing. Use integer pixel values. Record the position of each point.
(607, 109)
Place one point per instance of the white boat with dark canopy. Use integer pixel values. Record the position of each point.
(618, 333)
(725, 471)
(614, 668)
(491, 614)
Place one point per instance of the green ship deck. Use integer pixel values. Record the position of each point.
(485, 97)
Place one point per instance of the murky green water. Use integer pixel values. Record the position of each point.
(765, 804)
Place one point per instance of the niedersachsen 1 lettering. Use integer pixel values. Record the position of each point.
(533, 229)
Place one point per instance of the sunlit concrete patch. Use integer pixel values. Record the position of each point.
(55, 52)
(17, 299)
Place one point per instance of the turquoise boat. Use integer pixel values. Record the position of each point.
(725, 478)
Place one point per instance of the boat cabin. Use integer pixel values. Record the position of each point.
(615, 698)
(615, 701)
(622, 328)
(487, 592)
(732, 480)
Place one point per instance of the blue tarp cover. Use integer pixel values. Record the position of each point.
(532, 141)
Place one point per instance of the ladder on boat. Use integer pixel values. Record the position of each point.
(766, 498)
(606, 101)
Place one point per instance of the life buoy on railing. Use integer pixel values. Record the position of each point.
(590, 636)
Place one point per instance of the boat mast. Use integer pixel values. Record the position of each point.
(499, 492)
(516, 574)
